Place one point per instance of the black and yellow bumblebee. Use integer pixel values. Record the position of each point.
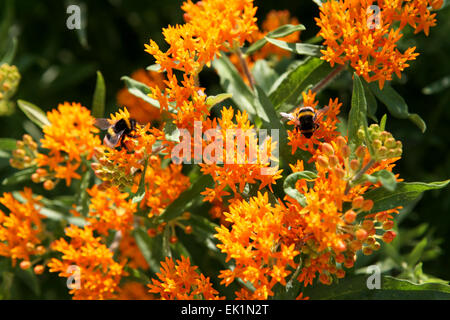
(305, 120)
(116, 131)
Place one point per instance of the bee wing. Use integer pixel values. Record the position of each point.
(111, 141)
(320, 113)
(102, 123)
(290, 117)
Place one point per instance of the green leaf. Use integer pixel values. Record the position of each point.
(10, 51)
(59, 216)
(7, 144)
(372, 105)
(280, 32)
(357, 116)
(264, 75)
(437, 86)
(417, 252)
(34, 113)
(291, 84)
(355, 288)
(405, 193)
(386, 178)
(98, 101)
(211, 101)
(298, 48)
(30, 279)
(396, 104)
(7, 10)
(140, 193)
(82, 198)
(171, 131)
(231, 81)
(291, 180)
(186, 198)
(203, 230)
(266, 111)
(140, 90)
(19, 176)
(154, 67)
(149, 247)
(383, 122)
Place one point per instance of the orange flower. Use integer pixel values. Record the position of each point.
(354, 32)
(110, 210)
(182, 282)
(20, 230)
(327, 120)
(140, 110)
(70, 137)
(241, 164)
(93, 262)
(162, 185)
(255, 243)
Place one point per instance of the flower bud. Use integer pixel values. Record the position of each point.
(389, 224)
(322, 161)
(361, 234)
(354, 165)
(25, 265)
(388, 236)
(367, 205)
(327, 149)
(333, 160)
(360, 152)
(350, 216)
(357, 202)
(367, 251)
(39, 269)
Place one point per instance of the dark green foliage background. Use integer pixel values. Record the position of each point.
(117, 31)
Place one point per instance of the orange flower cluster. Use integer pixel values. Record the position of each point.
(70, 138)
(367, 36)
(255, 243)
(110, 210)
(119, 166)
(329, 235)
(265, 238)
(163, 184)
(140, 110)
(247, 163)
(21, 230)
(98, 273)
(327, 120)
(182, 282)
(211, 26)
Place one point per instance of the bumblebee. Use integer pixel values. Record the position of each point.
(117, 131)
(306, 120)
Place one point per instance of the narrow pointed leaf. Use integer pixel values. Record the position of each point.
(34, 113)
(98, 101)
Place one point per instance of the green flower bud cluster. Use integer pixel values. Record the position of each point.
(9, 81)
(383, 143)
(107, 171)
(25, 154)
